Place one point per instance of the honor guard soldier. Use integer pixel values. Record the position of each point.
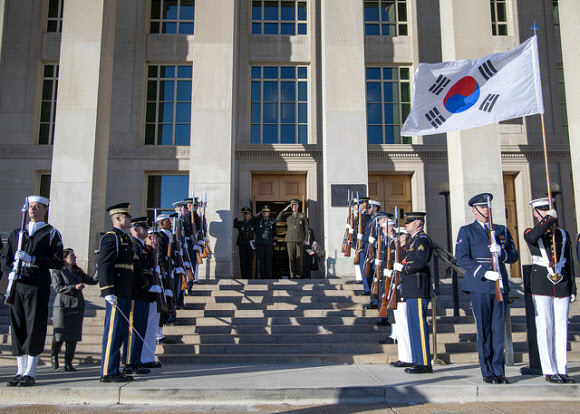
(360, 222)
(144, 286)
(245, 235)
(369, 237)
(166, 267)
(474, 254)
(116, 280)
(41, 250)
(265, 229)
(553, 288)
(416, 289)
(296, 236)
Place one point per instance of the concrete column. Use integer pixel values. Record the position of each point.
(474, 155)
(344, 137)
(212, 125)
(81, 142)
(570, 37)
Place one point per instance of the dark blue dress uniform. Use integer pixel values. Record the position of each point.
(265, 229)
(116, 277)
(371, 223)
(245, 234)
(473, 255)
(416, 289)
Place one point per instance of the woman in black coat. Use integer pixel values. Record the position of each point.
(68, 309)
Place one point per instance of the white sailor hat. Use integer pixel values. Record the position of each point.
(391, 222)
(375, 203)
(38, 199)
(541, 203)
(402, 230)
(162, 217)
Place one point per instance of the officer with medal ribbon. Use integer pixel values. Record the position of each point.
(553, 288)
(39, 251)
(265, 229)
(117, 281)
(245, 234)
(475, 254)
(296, 236)
(416, 289)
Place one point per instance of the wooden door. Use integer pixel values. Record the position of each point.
(511, 218)
(391, 190)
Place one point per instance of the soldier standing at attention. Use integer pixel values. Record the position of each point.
(296, 236)
(553, 288)
(265, 228)
(116, 280)
(416, 289)
(245, 234)
(41, 251)
(474, 254)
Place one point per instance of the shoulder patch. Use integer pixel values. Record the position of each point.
(528, 230)
(420, 247)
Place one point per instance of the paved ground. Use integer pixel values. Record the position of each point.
(292, 389)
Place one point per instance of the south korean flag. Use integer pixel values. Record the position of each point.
(462, 94)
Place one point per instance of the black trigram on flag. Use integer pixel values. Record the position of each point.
(439, 85)
(489, 102)
(435, 117)
(487, 70)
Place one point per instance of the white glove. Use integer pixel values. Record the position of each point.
(111, 300)
(155, 289)
(187, 265)
(378, 262)
(493, 276)
(359, 236)
(158, 270)
(25, 257)
(552, 213)
(348, 226)
(168, 293)
(398, 267)
(494, 248)
(206, 239)
(388, 272)
(13, 276)
(371, 240)
(572, 298)
(201, 243)
(180, 270)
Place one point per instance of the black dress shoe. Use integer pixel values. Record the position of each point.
(14, 381)
(567, 379)
(26, 381)
(492, 379)
(419, 369)
(154, 364)
(502, 379)
(165, 341)
(365, 294)
(401, 364)
(367, 307)
(116, 378)
(388, 341)
(382, 323)
(556, 379)
(135, 369)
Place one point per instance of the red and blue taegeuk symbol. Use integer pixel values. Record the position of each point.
(462, 96)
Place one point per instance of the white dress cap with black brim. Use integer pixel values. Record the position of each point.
(38, 199)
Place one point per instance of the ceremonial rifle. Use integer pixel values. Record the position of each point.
(17, 264)
(389, 266)
(160, 297)
(206, 247)
(358, 240)
(178, 228)
(195, 240)
(345, 238)
(393, 297)
(350, 229)
(370, 254)
(379, 256)
(494, 256)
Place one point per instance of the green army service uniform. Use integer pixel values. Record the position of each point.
(295, 237)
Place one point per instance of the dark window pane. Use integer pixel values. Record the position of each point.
(150, 111)
(288, 72)
(391, 134)
(270, 115)
(271, 10)
(501, 13)
(372, 29)
(44, 186)
(405, 108)
(45, 112)
(256, 91)
(373, 92)
(182, 134)
(374, 114)
(255, 134)
(389, 30)
(51, 26)
(389, 73)
(255, 113)
(374, 134)
(182, 113)
(48, 71)
(405, 92)
(301, 28)
(388, 12)
(288, 29)
(186, 12)
(152, 90)
(155, 27)
(271, 28)
(167, 71)
(152, 71)
(165, 134)
(403, 30)
(288, 113)
(391, 92)
(256, 72)
(47, 90)
(502, 28)
(270, 72)
(270, 134)
(402, 12)
(186, 28)
(302, 72)
(302, 91)
(53, 8)
(301, 10)
(165, 112)
(373, 73)
(404, 73)
(184, 72)
(302, 134)
(43, 134)
(371, 11)
(302, 113)
(170, 9)
(184, 90)
(256, 28)
(256, 10)
(288, 91)
(391, 114)
(155, 9)
(169, 27)
(287, 12)
(270, 91)
(288, 134)
(166, 92)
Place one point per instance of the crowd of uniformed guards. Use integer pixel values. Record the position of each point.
(143, 279)
(392, 263)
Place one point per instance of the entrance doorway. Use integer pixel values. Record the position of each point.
(391, 190)
(276, 191)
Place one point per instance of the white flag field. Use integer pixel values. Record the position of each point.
(451, 96)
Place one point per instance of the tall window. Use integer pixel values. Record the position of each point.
(163, 190)
(386, 18)
(44, 186)
(279, 17)
(168, 116)
(388, 104)
(499, 17)
(54, 21)
(48, 104)
(563, 108)
(279, 105)
(172, 16)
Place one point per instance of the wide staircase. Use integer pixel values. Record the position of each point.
(293, 322)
